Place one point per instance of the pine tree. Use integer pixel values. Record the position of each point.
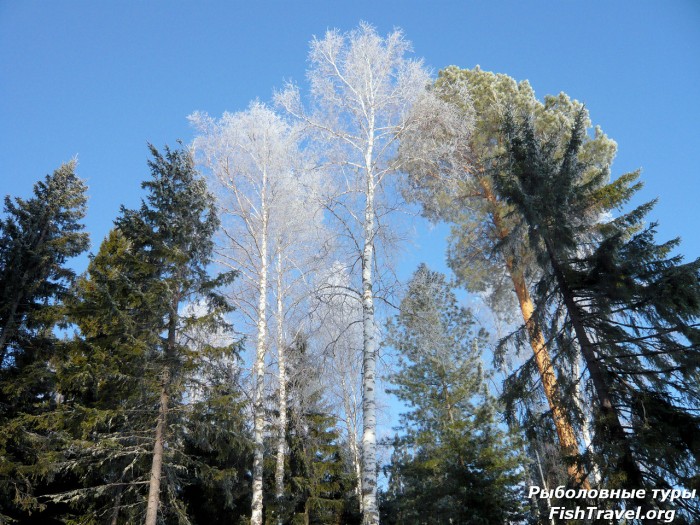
(319, 477)
(450, 176)
(37, 237)
(453, 464)
(616, 298)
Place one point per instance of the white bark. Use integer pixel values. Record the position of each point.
(262, 186)
(370, 512)
(362, 89)
(351, 432)
(256, 517)
(282, 376)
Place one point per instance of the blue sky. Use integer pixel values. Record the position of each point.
(100, 79)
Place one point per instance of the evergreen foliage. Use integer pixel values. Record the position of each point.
(321, 482)
(146, 311)
(122, 394)
(609, 293)
(453, 464)
(37, 238)
(452, 178)
(217, 447)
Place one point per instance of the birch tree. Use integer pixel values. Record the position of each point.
(262, 189)
(362, 89)
(299, 246)
(339, 315)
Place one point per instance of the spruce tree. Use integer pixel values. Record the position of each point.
(216, 443)
(321, 483)
(37, 237)
(108, 379)
(172, 233)
(450, 176)
(612, 295)
(453, 464)
(104, 378)
(143, 417)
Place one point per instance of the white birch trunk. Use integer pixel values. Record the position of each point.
(282, 372)
(256, 517)
(352, 440)
(370, 514)
(365, 88)
(255, 156)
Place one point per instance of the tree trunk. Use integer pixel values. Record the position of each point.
(117, 507)
(370, 514)
(562, 423)
(281, 365)
(158, 446)
(256, 517)
(352, 439)
(157, 463)
(611, 417)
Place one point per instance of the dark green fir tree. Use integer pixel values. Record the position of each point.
(172, 234)
(321, 484)
(37, 238)
(618, 301)
(145, 424)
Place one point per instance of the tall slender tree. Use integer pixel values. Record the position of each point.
(614, 297)
(109, 382)
(37, 238)
(266, 194)
(362, 87)
(172, 233)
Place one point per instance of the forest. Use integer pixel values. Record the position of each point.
(231, 351)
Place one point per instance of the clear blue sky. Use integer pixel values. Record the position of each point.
(100, 79)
